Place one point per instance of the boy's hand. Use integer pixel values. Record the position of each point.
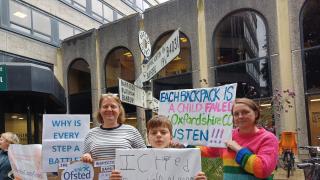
(86, 158)
(115, 175)
(200, 176)
(176, 145)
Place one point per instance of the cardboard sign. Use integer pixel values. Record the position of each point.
(62, 139)
(200, 116)
(147, 164)
(78, 170)
(101, 169)
(25, 161)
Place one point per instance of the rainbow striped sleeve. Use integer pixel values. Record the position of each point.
(250, 162)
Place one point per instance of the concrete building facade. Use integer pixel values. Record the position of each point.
(203, 23)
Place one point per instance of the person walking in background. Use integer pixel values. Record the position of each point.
(6, 139)
(159, 130)
(253, 152)
(101, 142)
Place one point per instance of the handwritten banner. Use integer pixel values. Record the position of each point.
(62, 138)
(147, 164)
(25, 161)
(200, 116)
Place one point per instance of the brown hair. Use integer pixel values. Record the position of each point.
(10, 137)
(159, 121)
(121, 119)
(251, 104)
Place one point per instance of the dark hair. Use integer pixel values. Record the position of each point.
(159, 121)
(251, 104)
(121, 119)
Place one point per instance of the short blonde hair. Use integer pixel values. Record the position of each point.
(10, 137)
(121, 119)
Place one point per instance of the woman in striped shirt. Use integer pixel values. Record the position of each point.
(101, 142)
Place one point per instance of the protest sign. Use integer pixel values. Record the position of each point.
(62, 138)
(200, 116)
(104, 169)
(78, 170)
(101, 170)
(168, 164)
(25, 161)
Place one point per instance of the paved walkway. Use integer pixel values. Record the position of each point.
(282, 174)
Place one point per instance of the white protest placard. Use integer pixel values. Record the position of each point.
(200, 116)
(78, 170)
(131, 94)
(62, 138)
(168, 51)
(25, 161)
(57, 152)
(153, 163)
(106, 166)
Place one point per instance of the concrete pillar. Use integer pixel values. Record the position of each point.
(58, 69)
(96, 86)
(288, 120)
(202, 44)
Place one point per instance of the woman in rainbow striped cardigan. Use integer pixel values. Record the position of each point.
(253, 152)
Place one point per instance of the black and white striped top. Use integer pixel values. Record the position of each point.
(101, 143)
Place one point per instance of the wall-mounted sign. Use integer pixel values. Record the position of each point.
(169, 50)
(3, 78)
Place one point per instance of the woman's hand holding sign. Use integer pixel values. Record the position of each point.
(86, 158)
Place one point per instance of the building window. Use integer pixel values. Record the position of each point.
(41, 25)
(138, 5)
(176, 74)
(80, 4)
(120, 64)
(97, 11)
(311, 54)
(100, 10)
(107, 13)
(36, 24)
(20, 17)
(65, 31)
(240, 54)
(79, 87)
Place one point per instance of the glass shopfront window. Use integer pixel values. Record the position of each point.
(120, 64)
(310, 55)
(17, 123)
(241, 56)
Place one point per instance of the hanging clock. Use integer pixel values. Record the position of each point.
(144, 44)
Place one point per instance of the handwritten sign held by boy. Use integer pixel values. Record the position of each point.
(200, 116)
(144, 164)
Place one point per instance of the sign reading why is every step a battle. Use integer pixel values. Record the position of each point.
(62, 139)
